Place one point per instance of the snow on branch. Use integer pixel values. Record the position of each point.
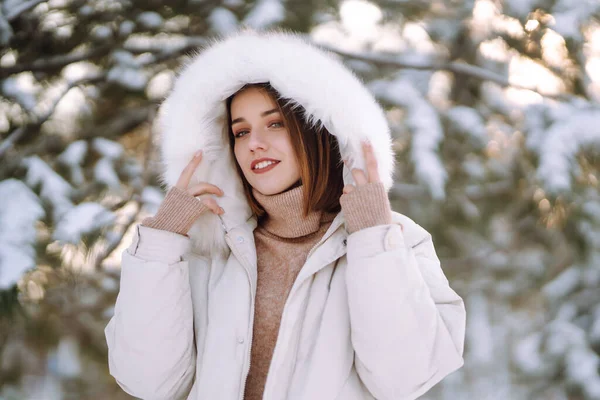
(53, 188)
(6, 32)
(426, 127)
(564, 140)
(56, 62)
(162, 48)
(40, 119)
(80, 220)
(20, 208)
(454, 67)
(21, 8)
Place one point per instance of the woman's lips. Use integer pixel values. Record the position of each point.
(266, 169)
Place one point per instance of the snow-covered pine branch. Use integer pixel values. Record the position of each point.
(427, 132)
(54, 63)
(454, 67)
(37, 120)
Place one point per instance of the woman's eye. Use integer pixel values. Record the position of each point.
(239, 134)
(277, 124)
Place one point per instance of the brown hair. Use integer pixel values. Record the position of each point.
(316, 150)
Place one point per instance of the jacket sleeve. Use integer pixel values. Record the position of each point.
(407, 324)
(151, 350)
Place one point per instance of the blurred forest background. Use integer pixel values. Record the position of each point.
(494, 109)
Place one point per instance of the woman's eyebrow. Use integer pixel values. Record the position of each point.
(262, 114)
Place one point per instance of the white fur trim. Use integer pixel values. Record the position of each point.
(193, 116)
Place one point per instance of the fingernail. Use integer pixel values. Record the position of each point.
(197, 154)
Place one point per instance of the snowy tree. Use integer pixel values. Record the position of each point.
(493, 105)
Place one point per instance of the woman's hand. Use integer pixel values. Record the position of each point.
(366, 204)
(180, 208)
(360, 178)
(201, 188)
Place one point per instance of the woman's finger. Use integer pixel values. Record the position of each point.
(359, 176)
(205, 188)
(212, 205)
(371, 162)
(187, 173)
(348, 188)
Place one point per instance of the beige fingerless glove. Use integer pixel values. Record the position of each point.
(177, 213)
(366, 206)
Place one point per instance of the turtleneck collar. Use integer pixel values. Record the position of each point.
(285, 217)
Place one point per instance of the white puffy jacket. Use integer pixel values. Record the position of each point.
(370, 315)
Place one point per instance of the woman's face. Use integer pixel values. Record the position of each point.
(262, 144)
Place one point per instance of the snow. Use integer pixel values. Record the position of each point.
(527, 357)
(582, 365)
(565, 283)
(6, 32)
(8, 59)
(108, 312)
(160, 85)
(561, 337)
(223, 21)
(109, 284)
(19, 210)
(569, 16)
(474, 169)
(68, 363)
(23, 88)
(82, 219)
(132, 168)
(73, 157)
(139, 42)
(152, 197)
(80, 70)
(107, 148)
(104, 173)
(86, 10)
(479, 330)
(567, 24)
(150, 20)
(53, 187)
(233, 3)
(467, 120)
(124, 58)
(520, 8)
(46, 387)
(535, 126)
(265, 14)
(177, 24)
(126, 28)
(592, 210)
(562, 142)
(129, 78)
(74, 154)
(101, 32)
(594, 332)
(427, 132)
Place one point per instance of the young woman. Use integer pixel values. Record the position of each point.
(275, 268)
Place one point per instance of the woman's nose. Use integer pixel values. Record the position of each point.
(257, 141)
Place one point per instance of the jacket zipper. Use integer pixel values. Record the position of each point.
(251, 325)
(323, 239)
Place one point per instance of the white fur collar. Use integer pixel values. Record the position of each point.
(193, 116)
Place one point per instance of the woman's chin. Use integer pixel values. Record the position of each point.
(270, 190)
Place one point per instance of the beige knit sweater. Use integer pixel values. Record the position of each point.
(283, 238)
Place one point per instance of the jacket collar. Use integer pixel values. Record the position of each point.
(241, 243)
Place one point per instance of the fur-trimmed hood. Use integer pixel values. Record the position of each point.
(193, 115)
